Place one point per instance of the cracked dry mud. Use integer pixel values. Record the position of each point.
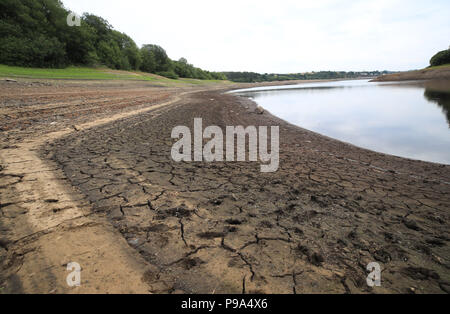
(312, 226)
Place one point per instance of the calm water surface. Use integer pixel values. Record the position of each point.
(404, 119)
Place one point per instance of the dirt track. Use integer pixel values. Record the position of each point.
(137, 221)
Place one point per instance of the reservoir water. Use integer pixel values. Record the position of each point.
(408, 119)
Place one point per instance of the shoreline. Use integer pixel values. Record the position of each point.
(185, 219)
(421, 82)
(253, 105)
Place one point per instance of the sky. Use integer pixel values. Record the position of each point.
(284, 36)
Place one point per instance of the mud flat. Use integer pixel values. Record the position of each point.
(312, 226)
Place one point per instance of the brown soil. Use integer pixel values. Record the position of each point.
(100, 188)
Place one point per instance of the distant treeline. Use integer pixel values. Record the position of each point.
(251, 77)
(34, 33)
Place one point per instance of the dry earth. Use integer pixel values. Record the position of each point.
(99, 187)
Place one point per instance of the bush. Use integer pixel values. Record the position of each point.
(442, 57)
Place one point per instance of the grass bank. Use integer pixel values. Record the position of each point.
(431, 73)
(86, 73)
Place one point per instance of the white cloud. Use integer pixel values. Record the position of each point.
(284, 36)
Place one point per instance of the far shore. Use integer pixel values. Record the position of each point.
(433, 73)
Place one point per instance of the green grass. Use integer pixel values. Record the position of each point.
(85, 73)
(438, 67)
(82, 73)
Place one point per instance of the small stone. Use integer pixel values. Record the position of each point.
(133, 241)
(411, 224)
(316, 259)
(437, 259)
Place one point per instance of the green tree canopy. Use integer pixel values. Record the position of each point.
(154, 59)
(441, 58)
(35, 33)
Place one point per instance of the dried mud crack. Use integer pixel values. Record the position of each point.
(312, 226)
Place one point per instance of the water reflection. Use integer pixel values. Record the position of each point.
(393, 118)
(442, 99)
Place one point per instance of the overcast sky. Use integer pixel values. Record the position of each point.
(281, 36)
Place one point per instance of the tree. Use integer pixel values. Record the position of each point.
(441, 58)
(35, 33)
(154, 59)
(183, 69)
(30, 33)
